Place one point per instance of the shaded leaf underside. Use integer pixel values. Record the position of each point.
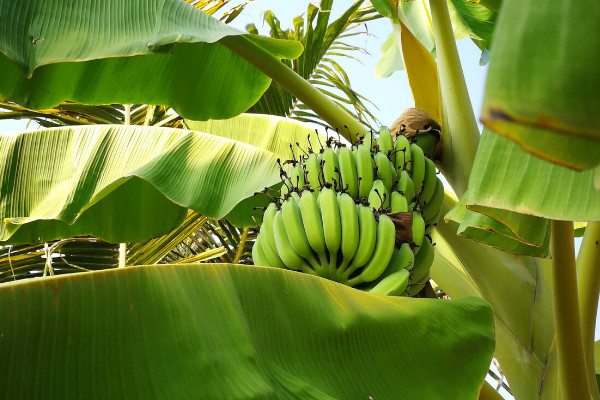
(144, 52)
(67, 182)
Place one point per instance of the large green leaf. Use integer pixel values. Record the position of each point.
(228, 331)
(518, 289)
(156, 52)
(507, 178)
(542, 84)
(121, 183)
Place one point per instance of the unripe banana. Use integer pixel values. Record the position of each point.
(294, 227)
(429, 182)
(405, 185)
(432, 210)
(385, 170)
(392, 285)
(418, 231)
(350, 229)
(348, 171)
(417, 167)
(313, 168)
(379, 198)
(384, 248)
(369, 141)
(267, 228)
(364, 168)
(270, 252)
(258, 256)
(402, 155)
(288, 255)
(330, 165)
(416, 287)
(313, 225)
(423, 261)
(385, 141)
(297, 176)
(367, 227)
(402, 258)
(332, 228)
(398, 203)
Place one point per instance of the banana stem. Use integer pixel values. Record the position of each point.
(460, 131)
(573, 378)
(588, 283)
(309, 95)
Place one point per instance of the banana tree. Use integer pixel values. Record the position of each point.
(278, 320)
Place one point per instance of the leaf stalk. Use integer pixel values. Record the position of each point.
(338, 118)
(572, 374)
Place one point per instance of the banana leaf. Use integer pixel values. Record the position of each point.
(542, 84)
(66, 182)
(148, 52)
(235, 332)
(505, 177)
(469, 20)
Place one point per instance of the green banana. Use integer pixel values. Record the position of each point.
(364, 168)
(288, 255)
(367, 228)
(384, 248)
(313, 168)
(330, 164)
(402, 258)
(369, 141)
(294, 227)
(348, 171)
(385, 141)
(432, 208)
(332, 228)
(393, 284)
(405, 185)
(269, 251)
(385, 170)
(379, 197)
(258, 256)
(418, 231)
(429, 182)
(349, 227)
(416, 287)
(398, 203)
(297, 176)
(423, 261)
(417, 167)
(267, 228)
(313, 225)
(402, 156)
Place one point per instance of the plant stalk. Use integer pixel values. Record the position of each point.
(588, 283)
(572, 374)
(460, 133)
(330, 112)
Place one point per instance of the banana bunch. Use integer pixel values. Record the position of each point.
(358, 215)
